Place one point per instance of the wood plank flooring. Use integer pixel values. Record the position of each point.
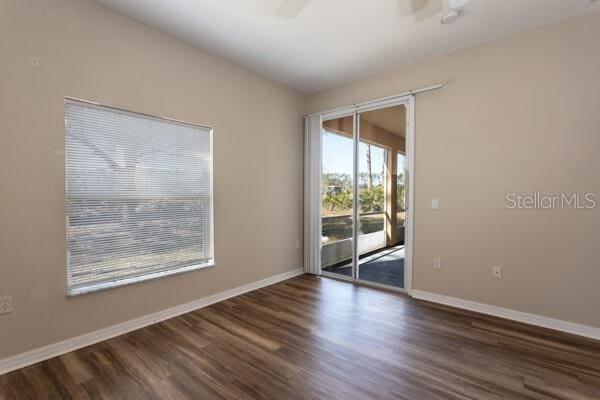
(317, 338)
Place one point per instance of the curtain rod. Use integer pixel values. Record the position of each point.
(364, 103)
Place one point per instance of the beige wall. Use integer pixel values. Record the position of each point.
(519, 114)
(89, 52)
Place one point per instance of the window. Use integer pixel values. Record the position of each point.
(139, 197)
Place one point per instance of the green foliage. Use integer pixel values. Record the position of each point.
(344, 181)
(337, 202)
(337, 194)
(400, 196)
(371, 199)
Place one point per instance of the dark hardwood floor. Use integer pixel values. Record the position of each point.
(317, 338)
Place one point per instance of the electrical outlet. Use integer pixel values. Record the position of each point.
(437, 263)
(497, 272)
(6, 304)
(435, 204)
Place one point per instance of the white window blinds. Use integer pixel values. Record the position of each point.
(139, 197)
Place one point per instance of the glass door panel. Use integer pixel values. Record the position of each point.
(400, 197)
(372, 237)
(337, 187)
(380, 196)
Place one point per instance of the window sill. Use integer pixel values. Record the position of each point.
(144, 278)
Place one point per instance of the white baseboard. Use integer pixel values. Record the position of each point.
(532, 319)
(65, 346)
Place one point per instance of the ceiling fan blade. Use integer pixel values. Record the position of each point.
(455, 10)
(291, 8)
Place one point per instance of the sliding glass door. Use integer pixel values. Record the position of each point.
(381, 135)
(362, 194)
(400, 196)
(337, 197)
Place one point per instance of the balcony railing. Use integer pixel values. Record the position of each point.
(337, 235)
(339, 227)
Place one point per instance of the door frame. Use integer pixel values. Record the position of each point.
(355, 110)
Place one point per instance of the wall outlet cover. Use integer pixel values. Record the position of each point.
(6, 304)
(497, 272)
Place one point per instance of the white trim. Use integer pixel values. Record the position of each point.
(531, 319)
(340, 113)
(409, 226)
(331, 114)
(102, 105)
(68, 345)
(397, 96)
(96, 287)
(355, 199)
(385, 103)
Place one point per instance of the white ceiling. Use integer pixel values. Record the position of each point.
(335, 41)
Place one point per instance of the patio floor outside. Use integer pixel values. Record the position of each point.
(384, 266)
